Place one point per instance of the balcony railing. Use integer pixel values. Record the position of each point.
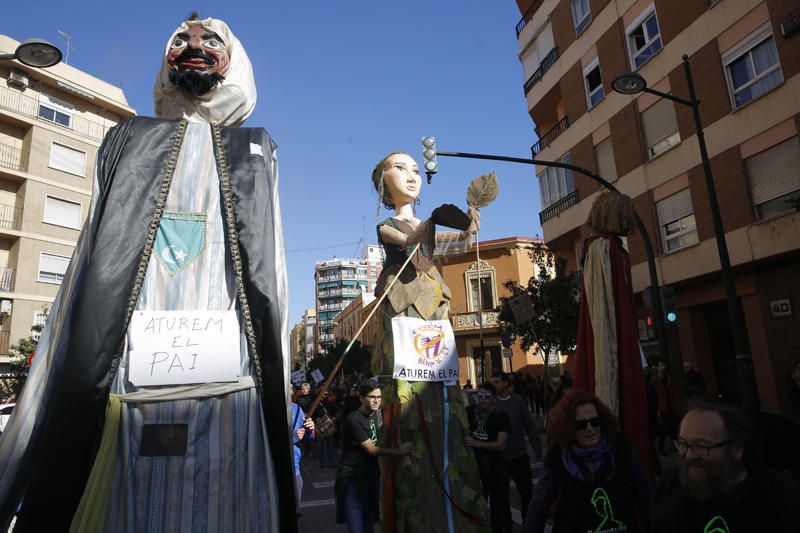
(528, 16)
(26, 105)
(10, 216)
(462, 321)
(559, 207)
(13, 158)
(545, 140)
(548, 61)
(6, 279)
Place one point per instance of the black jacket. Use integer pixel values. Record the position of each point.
(766, 501)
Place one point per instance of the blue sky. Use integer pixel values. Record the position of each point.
(341, 83)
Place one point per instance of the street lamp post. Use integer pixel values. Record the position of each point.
(633, 83)
(658, 311)
(34, 53)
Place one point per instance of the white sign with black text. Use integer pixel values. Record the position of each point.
(183, 347)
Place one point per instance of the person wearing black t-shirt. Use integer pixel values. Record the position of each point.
(720, 485)
(488, 436)
(357, 479)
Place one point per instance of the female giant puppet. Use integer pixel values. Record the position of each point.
(437, 487)
(185, 221)
(608, 360)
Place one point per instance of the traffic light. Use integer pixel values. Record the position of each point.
(668, 304)
(429, 156)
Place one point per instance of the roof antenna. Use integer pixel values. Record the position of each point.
(67, 38)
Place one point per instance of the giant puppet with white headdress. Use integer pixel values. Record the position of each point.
(157, 400)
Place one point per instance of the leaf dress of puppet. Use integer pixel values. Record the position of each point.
(437, 486)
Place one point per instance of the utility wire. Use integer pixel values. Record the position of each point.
(327, 247)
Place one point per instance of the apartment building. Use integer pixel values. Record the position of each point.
(309, 322)
(338, 282)
(745, 59)
(52, 122)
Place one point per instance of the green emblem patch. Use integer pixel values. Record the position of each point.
(181, 237)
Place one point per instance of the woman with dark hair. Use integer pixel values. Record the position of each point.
(591, 476)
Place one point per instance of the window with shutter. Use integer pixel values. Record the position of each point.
(67, 159)
(676, 218)
(52, 267)
(606, 167)
(660, 128)
(774, 177)
(62, 212)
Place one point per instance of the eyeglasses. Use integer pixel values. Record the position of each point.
(701, 450)
(373, 397)
(583, 424)
(484, 395)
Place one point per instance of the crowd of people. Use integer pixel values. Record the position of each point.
(591, 479)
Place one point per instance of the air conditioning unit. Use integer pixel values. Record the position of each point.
(18, 79)
(5, 306)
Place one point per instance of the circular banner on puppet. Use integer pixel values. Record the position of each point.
(424, 350)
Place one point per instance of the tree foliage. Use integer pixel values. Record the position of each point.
(357, 359)
(554, 295)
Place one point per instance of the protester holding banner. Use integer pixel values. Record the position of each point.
(357, 479)
(424, 404)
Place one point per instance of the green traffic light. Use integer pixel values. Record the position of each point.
(672, 317)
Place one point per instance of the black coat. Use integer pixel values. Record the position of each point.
(87, 337)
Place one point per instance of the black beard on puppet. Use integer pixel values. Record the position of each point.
(195, 82)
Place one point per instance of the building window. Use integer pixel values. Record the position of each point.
(555, 183)
(67, 159)
(62, 212)
(52, 267)
(774, 176)
(488, 298)
(752, 67)
(593, 84)
(55, 110)
(676, 217)
(660, 128)
(537, 50)
(39, 320)
(604, 153)
(581, 15)
(644, 38)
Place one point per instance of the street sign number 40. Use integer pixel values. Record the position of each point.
(780, 308)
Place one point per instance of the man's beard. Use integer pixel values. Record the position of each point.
(707, 480)
(194, 82)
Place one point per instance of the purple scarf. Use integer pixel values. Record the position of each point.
(586, 464)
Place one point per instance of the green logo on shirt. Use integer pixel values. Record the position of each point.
(373, 431)
(716, 525)
(602, 506)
